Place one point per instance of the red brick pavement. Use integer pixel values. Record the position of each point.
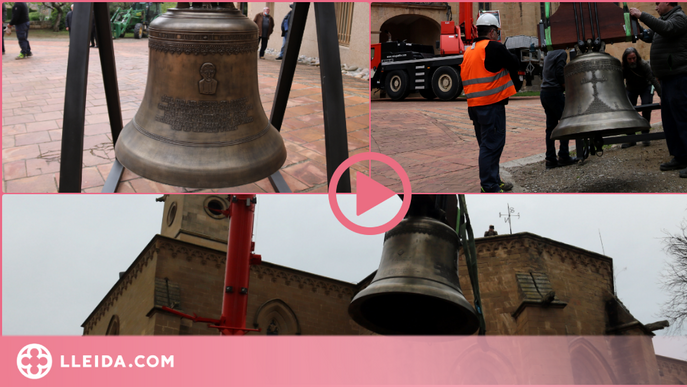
(33, 103)
(435, 142)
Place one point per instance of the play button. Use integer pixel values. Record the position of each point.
(369, 193)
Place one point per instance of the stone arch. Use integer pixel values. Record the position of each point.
(482, 364)
(113, 326)
(413, 28)
(589, 366)
(276, 315)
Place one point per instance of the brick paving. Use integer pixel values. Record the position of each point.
(434, 141)
(33, 104)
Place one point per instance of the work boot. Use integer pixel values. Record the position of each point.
(505, 186)
(564, 162)
(673, 165)
(646, 143)
(21, 56)
(551, 164)
(483, 191)
(278, 58)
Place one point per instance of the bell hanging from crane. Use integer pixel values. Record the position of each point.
(416, 290)
(595, 101)
(201, 123)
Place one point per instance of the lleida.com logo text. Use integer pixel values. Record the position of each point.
(34, 361)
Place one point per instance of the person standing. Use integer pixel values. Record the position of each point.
(285, 31)
(668, 35)
(485, 72)
(266, 26)
(94, 33)
(491, 231)
(638, 82)
(68, 21)
(4, 18)
(20, 20)
(553, 101)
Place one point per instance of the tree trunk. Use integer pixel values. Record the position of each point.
(56, 27)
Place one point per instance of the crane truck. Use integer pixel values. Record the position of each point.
(401, 68)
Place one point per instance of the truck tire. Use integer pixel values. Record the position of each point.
(428, 94)
(396, 85)
(446, 83)
(138, 31)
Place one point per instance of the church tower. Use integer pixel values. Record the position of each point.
(196, 219)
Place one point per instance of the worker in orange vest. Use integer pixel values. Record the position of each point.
(486, 73)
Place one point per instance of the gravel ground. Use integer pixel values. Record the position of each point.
(634, 169)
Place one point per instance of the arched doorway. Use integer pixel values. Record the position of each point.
(417, 29)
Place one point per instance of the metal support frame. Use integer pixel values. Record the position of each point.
(336, 136)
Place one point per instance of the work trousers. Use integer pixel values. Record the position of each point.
(23, 37)
(553, 102)
(646, 96)
(263, 45)
(283, 47)
(490, 130)
(674, 115)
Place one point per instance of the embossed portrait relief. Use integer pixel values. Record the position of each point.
(207, 85)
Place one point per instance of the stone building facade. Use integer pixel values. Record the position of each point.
(353, 24)
(184, 267)
(529, 285)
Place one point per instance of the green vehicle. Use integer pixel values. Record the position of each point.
(136, 19)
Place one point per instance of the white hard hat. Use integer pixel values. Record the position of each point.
(488, 19)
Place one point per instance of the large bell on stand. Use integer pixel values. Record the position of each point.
(595, 101)
(201, 123)
(416, 289)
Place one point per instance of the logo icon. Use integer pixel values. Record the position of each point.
(34, 361)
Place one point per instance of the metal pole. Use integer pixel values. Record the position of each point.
(335, 135)
(75, 100)
(109, 68)
(239, 254)
(294, 38)
(109, 71)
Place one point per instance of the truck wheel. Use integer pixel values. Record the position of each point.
(428, 94)
(138, 31)
(396, 85)
(446, 83)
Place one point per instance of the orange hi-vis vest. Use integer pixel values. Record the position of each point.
(481, 86)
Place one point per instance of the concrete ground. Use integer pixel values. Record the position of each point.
(33, 103)
(434, 141)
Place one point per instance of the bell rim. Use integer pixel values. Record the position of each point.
(577, 131)
(133, 158)
(395, 286)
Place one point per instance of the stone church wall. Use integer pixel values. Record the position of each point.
(579, 278)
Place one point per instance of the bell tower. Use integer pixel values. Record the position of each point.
(196, 219)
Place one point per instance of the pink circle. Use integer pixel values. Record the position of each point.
(363, 229)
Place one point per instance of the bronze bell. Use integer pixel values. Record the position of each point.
(201, 123)
(416, 289)
(595, 101)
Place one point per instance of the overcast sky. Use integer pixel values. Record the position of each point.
(62, 253)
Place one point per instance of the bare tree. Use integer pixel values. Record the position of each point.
(60, 11)
(675, 278)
